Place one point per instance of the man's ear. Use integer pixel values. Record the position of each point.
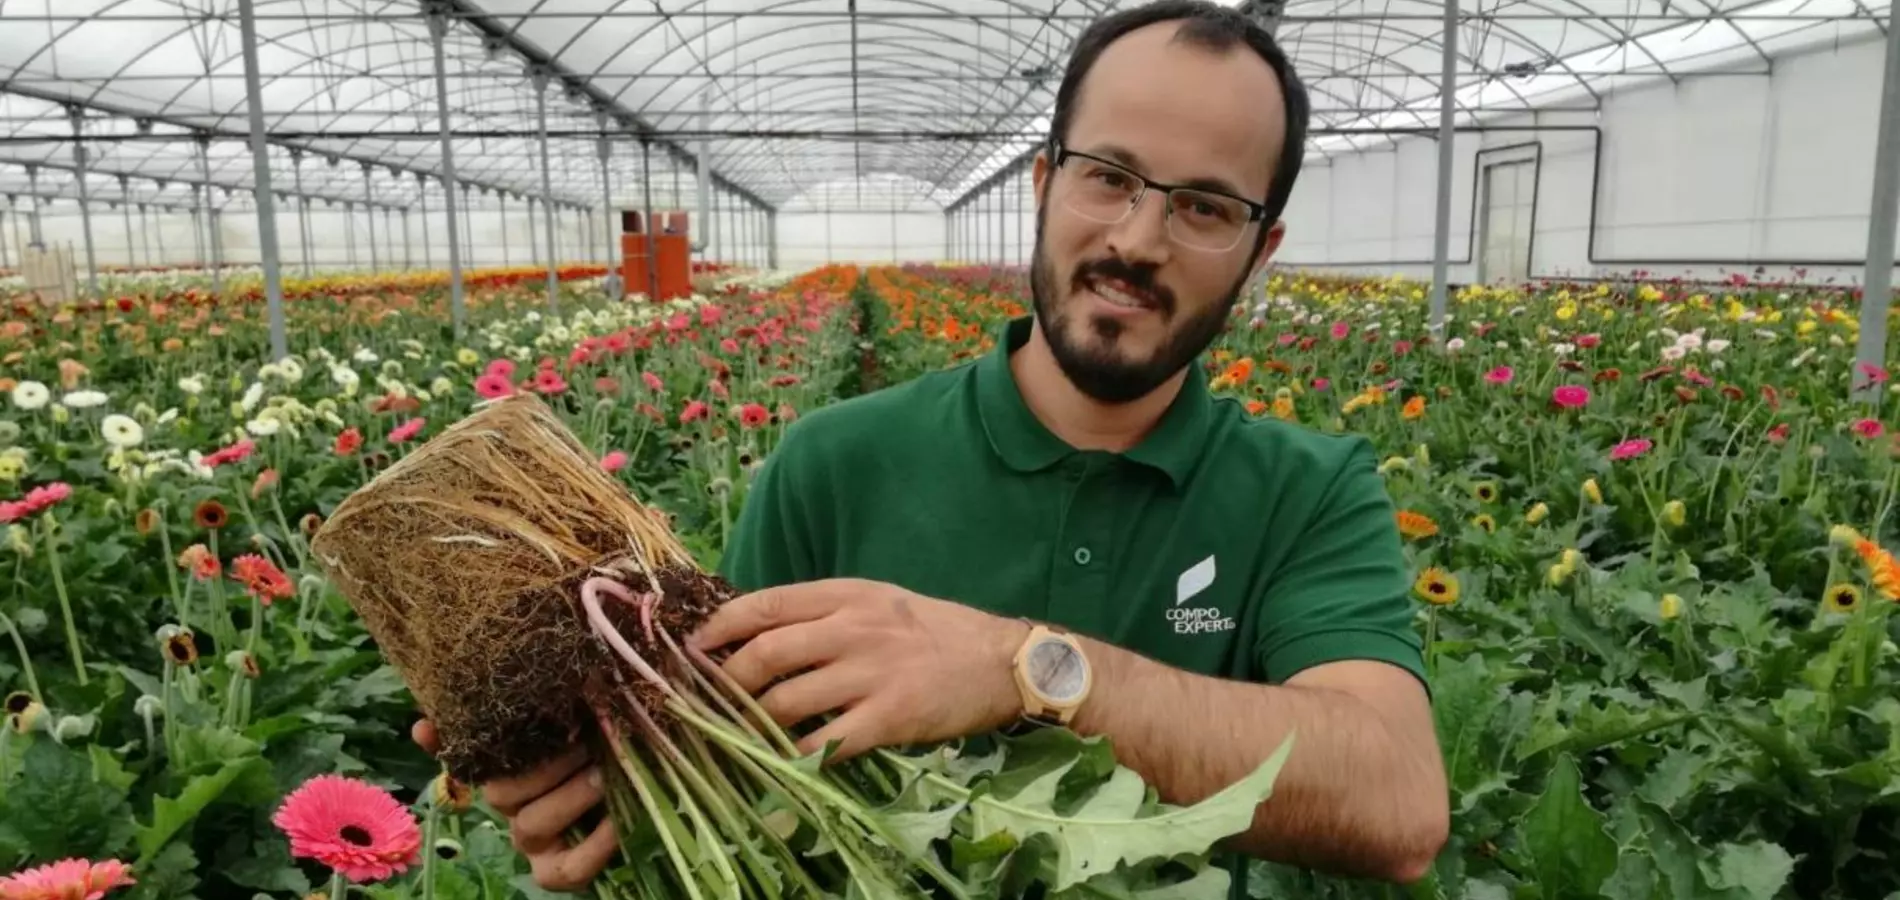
(1039, 173)
(1275, 235)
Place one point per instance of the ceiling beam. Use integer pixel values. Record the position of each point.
(493, 30)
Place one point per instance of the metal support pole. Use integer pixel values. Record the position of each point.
(607, 210)
(408, 259)
(212, 244)
(6, 255)
(501, 216)
(534, 241)
(540, 79)
(33, 215)
(303, 208)
(369, 213)
(468, 222)
(389, 238)
(349, 233)
(260, 164)
(1877, 289)
(145, 239)
(646, 221)
(125, 213)
(438, 27)
(200, 254)
(77, 115)
(422, 199)
(1447, 113)
(771, 228)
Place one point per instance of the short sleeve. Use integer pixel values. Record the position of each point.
(774, 540)
(1343, 591)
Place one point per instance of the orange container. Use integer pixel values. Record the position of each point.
(670, 256)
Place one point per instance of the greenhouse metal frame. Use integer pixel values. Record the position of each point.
(581, 108)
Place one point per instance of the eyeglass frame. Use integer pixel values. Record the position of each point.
(1256, 212)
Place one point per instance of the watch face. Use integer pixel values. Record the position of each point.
(1056, 670)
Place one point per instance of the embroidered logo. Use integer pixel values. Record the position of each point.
(1197, 620)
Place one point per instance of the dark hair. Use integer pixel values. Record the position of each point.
(1213, 27)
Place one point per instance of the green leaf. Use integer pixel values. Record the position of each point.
(1755, 871)
(55, 808)
(1088, 847)
(264, 864)
(171, 875)
(171, 814)
(1570, 850)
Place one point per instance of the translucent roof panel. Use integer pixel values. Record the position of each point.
(922, 101)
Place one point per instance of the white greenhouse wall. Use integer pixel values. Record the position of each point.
(1736, 168)
(808, 239)
(340, 240)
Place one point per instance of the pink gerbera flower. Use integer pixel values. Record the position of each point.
(1570, 396)
(68, 879)
(503, 367)
(406, 431)
(614, 461)
(1340, 330)
(1869, 428)
(494, 386)
(1500, 375)
(652, 382)
(1630, 449)
(355, 828)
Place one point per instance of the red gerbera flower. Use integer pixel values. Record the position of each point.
(753, 415)
(355, 828)
(68, 879)
(349, 441)
(261, 578)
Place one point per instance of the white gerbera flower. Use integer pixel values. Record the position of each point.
(366, 356)
(191, 384)
(263, 427)
(30, 395)
(252, 396)
(1673, 352)
(84, 399)
(344, 376)
(121, 431)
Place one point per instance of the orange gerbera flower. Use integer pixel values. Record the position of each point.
(1416, 526)
(1414, 408)
(1882, 568)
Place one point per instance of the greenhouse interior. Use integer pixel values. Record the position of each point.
(442, 446)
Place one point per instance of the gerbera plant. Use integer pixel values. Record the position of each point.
(499, 567)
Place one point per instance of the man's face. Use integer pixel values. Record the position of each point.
(1125, 306)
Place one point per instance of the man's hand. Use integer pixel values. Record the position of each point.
(541, 807)
(903, 668)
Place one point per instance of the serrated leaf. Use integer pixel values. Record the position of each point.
(1570, 850)
(54, 808)
(171, 814)
(1676, 777)
(171, 875)
(1088, 847)
(1757, 870)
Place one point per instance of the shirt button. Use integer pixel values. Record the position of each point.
(1082, 556)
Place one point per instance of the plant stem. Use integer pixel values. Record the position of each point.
(428, 852)
(171, 561)
(337, 889)
(65, 602)
(26, 662)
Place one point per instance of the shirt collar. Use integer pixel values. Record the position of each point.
(1026, 445)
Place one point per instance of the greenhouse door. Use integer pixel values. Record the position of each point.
(1510, 190)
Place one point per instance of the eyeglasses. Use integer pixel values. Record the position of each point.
(1106, 192)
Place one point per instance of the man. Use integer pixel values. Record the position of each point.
(1225, 580)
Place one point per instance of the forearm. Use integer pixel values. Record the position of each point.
(1355, 796)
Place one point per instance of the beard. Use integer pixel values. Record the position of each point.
(1096, 363)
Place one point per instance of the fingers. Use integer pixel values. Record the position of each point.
(750, 614)
(814, 693)
(782, 651)
(541, 824)
(852, 730)
(574, 868)
(423, 733)
(508, 796)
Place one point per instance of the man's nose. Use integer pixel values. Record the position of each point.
(1142, 235)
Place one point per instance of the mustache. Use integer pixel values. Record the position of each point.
(1140, 278)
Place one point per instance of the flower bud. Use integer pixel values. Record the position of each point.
(30, 620)
(72, 728)
(27, 719)
(148, 707)
(1669, 607)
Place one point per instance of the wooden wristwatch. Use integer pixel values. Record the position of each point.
(1053, 675)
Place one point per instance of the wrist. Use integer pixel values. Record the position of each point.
(1007, 697)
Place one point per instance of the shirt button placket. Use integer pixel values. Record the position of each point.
(1076, 590)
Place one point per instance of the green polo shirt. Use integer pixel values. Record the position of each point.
(1223, 544)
